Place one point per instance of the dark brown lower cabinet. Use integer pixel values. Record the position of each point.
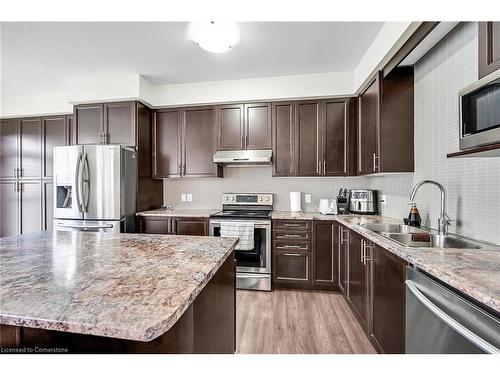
(8, 208)
(190, 226)
(357, 290)
(291, 269)
(387, 300)
(325, 250)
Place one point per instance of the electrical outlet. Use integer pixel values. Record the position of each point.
(190, 197)
(183, 197)
(308, 198)
(383, 200)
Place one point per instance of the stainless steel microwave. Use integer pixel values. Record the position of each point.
(480, 112)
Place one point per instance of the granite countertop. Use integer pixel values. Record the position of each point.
(473, 272)
(127, 286)
(180, 212)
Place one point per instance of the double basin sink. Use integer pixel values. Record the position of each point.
(415, 237)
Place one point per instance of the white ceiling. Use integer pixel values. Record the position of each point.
(43, 56)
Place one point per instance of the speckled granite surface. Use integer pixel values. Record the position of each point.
(288, 215)
(180, 212)
(129, 286)
(473, 272)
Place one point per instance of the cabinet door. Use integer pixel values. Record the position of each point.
(189, 226)
(48, 204)
(291, 268)
(388, 300)
(54, 133)
(283, 138)
(9, 210)
(335, 142)
(368, 128)
(119, 122)
(257, 126)
(31, 206)
(89, 123)
(198, 133)
(325, 254)
(167, 144)
(358, 287)
(71, 129)
(308, 143)
(9, 147)
(489, 47)
(30, 131)
(230, 127)
(154, 225)
(343, 243)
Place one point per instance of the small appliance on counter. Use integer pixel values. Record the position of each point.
(327, 206)
(363, 201)
(343, 201)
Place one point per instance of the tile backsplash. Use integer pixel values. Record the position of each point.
(472, 184)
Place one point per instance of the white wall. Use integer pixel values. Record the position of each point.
(472, 184)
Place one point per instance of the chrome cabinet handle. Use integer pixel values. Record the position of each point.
(246, 141)
(365, 256)
(292, 225)
(292, 254)
(324, 167)
(449, 321)
(289, 236)
(180, 169)
(363, 244)
(375, 157)
(319, 166)
(184, 169)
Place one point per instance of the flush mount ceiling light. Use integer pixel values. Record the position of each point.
(215, 37)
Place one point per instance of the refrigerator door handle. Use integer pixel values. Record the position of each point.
(85, 181)
(77, 182)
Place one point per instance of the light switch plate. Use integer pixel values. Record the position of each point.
(183, 197)
(308, 198)
(383, 199)
(190, 197)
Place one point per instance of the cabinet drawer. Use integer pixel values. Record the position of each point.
(154, 225)
(291, 225)
(294, 246)
(291, 267)
(301, 236)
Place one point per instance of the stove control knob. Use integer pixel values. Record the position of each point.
(225, 198)
(260, 199)
(232, 198)
(267, 199)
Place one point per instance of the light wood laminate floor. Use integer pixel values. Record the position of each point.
(289, 321)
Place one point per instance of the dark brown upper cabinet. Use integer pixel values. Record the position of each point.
(167, 143)
(244, 126)
(257, 122)
(30, 135)
(230, 127)
(184, 142)
(106, 123)
(385, 123)
(308, 142)
(313, 138)
(283, 138)
(489, 47)
(9, 147)
(55, 132)
(199, 143)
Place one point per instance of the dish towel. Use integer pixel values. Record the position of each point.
(242, 229)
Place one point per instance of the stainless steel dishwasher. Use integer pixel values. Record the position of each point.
(438, 320)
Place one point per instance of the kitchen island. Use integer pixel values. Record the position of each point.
(117, 293)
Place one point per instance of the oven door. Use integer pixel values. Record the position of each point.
(257, 260)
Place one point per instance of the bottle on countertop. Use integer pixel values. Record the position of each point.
(414, 219)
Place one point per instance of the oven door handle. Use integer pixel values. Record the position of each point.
(252, 276)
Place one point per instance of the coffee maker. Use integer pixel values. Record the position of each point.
(343, 201)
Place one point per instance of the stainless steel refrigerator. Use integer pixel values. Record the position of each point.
(95, 188)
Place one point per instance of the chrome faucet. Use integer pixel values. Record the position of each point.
(444, 221)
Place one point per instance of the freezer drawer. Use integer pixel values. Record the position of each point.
(440, 321)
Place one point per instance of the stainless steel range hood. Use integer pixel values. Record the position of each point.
(243, 158)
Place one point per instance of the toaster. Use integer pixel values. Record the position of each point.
(363, 201)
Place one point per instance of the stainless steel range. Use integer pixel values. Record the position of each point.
(250, 212)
